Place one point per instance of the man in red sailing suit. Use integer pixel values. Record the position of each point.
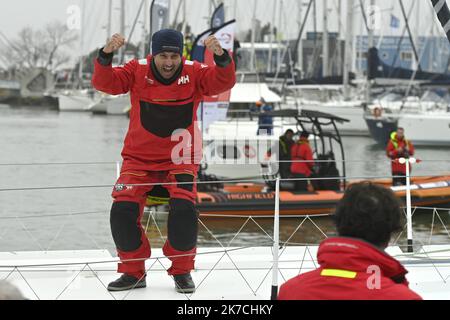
(302, 162)
(162, 146)
(354, 265)
(399, 147)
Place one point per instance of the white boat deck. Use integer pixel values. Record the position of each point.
(231, 273)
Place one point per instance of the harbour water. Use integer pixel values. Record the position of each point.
(57, 171)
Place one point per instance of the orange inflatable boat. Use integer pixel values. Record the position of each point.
(251, 199)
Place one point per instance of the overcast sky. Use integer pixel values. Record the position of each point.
(16, 14)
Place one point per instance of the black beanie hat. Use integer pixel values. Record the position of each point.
(167, 40)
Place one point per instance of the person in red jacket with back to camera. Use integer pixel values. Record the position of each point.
(162, 147)
(302, 162)
(354, 265)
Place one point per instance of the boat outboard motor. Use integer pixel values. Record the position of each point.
(270, 171)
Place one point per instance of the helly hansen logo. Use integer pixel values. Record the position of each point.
(183, 80)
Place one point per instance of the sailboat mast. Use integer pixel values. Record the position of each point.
(348, 49)
(252, 57)
(108, 25)
(417, 23)
(80, 64)
(300, 44)
(339, 35)
(184, 17)
(211, 11)
(144, 30)
(371, 26)
(370, 44)
(325, 49)
(280, 18)
(300, 32)
(411, 39)
(269, 64)
(122, 27)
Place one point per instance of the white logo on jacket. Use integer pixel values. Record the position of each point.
(183, 80)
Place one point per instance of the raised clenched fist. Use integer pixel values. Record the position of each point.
(114, 43)
(213, 45)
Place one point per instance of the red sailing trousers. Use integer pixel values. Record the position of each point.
(132, 244)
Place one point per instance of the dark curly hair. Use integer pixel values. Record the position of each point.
(369, 212)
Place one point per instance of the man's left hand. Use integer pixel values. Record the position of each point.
(213, 45)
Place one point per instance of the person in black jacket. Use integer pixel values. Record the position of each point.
(285, 143)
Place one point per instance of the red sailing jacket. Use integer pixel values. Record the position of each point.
(350, 269)
(392, 151)
(158, 110)
(301, 151)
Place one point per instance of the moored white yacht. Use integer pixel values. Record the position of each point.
(426, 120)
(76, 100)
(114, 105)
(230, 140)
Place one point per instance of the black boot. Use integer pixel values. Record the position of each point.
(127, 282)
(184, 283)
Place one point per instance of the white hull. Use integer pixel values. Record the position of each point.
(74, 102)
(234, 171)
(240, 274)
(245, 150)
(114, 105)
(427, 129)
(242, 129)
(354, 113)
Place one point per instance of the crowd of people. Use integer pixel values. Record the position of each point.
(296, 160)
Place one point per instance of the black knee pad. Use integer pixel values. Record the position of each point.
(184, 178)
(124, 225)
(182, 224)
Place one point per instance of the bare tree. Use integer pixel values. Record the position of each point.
(58, 36)
(40, 48)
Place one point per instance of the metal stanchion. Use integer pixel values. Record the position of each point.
(407, 162)
(276, 241)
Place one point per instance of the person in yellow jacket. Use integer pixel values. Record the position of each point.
(399, 147)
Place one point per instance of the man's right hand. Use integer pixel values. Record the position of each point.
(116, 42)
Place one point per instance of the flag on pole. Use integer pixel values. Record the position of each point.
(218, 17)
(225, 35)
(395, 22)
(215, 107)
(443, 14)
(198, 48)
(159, 15)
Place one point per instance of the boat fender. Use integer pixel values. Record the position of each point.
(124, 225)
(182, 224)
